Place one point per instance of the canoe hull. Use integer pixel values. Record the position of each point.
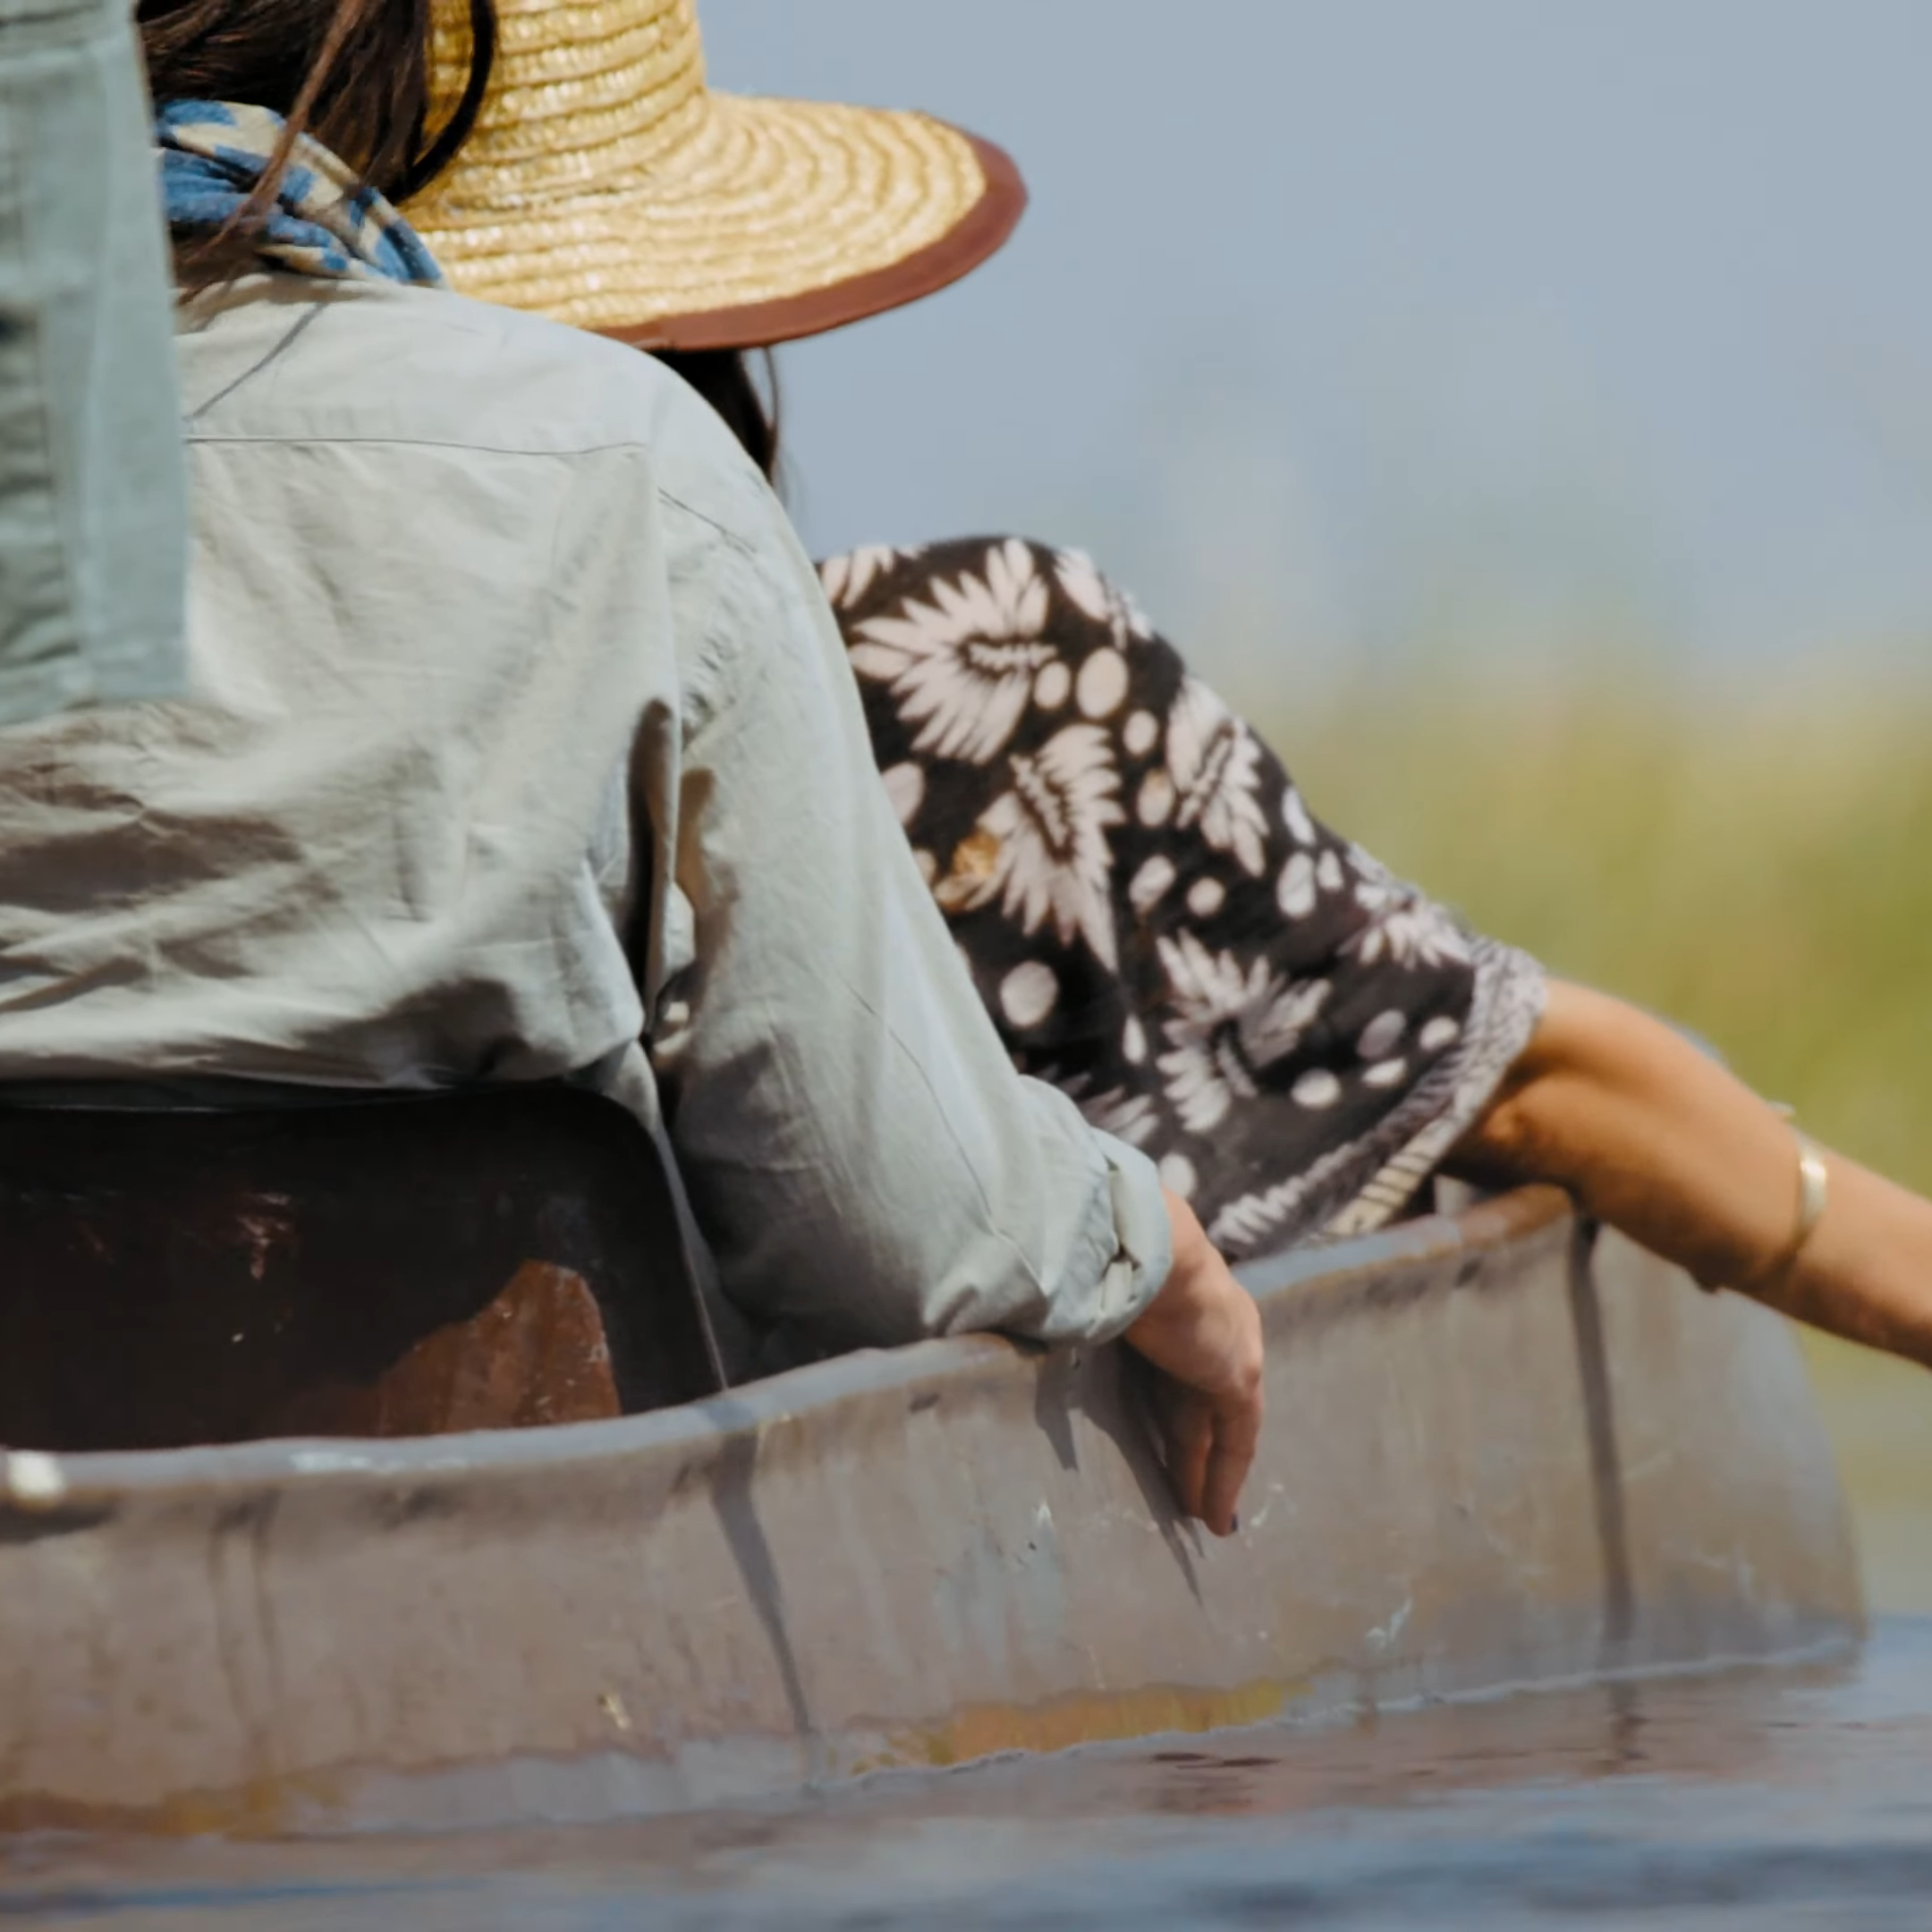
(1493, 1459)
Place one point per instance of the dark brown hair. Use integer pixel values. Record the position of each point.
(726, 380)
(352, 73)
(355, 75)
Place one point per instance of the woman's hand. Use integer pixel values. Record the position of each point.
(1203, 1331)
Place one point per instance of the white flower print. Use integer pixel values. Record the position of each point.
(1229, 1023)
(1206, 897)
(1148, 885)
(1053, 687)
(1318, 1090)
(1376, 886)
(1296, 894)
(1156, 920)
(905, 787)
(1244, 1225)
(1295, 816)
(1178, 1174)
(1155, 805)
(1029, 994)
(1099, 598)
(962, 668)
(1215, 762)
(1380, 1037)
(1418, 934)
(1041, 848)
(847, 579)
(1405, 927)
(1103, 683)
(1131, 1117)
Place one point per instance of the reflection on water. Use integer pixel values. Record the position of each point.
(1754, 1798)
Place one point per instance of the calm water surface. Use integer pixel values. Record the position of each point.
(1760, 1798)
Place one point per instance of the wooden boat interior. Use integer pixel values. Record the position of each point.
(500, 1259)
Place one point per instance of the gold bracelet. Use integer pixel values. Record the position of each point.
(1814, 1195)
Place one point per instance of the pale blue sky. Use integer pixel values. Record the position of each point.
(1331, 323)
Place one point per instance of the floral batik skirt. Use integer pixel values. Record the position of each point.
(1156, 921)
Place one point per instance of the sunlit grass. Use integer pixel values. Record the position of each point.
(1756, 866)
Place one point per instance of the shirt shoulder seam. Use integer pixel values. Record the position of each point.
(736, 538)
(467, 445)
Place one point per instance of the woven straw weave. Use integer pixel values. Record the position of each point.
(606, 186)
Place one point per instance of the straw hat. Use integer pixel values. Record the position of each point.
(606, 185)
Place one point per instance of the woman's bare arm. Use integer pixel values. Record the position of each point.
(1653, 1136)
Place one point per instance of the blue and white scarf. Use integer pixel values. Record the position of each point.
(323, 222)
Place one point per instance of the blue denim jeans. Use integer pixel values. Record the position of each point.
(93, 542)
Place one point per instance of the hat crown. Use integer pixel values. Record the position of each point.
(625, 78)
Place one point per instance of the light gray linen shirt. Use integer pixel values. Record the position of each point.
(520, 733)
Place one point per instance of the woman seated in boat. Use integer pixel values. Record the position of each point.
(523, 744)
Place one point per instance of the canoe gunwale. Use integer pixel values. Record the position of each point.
(1288, 1286)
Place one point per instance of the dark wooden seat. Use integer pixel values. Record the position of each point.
(498, 1258)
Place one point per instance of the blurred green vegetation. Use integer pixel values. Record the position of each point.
(1754, 862)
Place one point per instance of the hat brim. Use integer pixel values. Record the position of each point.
(770, 221)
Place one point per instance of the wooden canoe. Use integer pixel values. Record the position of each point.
(1498, 1453)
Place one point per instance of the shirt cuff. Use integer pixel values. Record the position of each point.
(1142, 1250)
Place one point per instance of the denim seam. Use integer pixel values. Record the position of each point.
(53, 517)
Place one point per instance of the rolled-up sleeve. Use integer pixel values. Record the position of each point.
(864, 1161)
